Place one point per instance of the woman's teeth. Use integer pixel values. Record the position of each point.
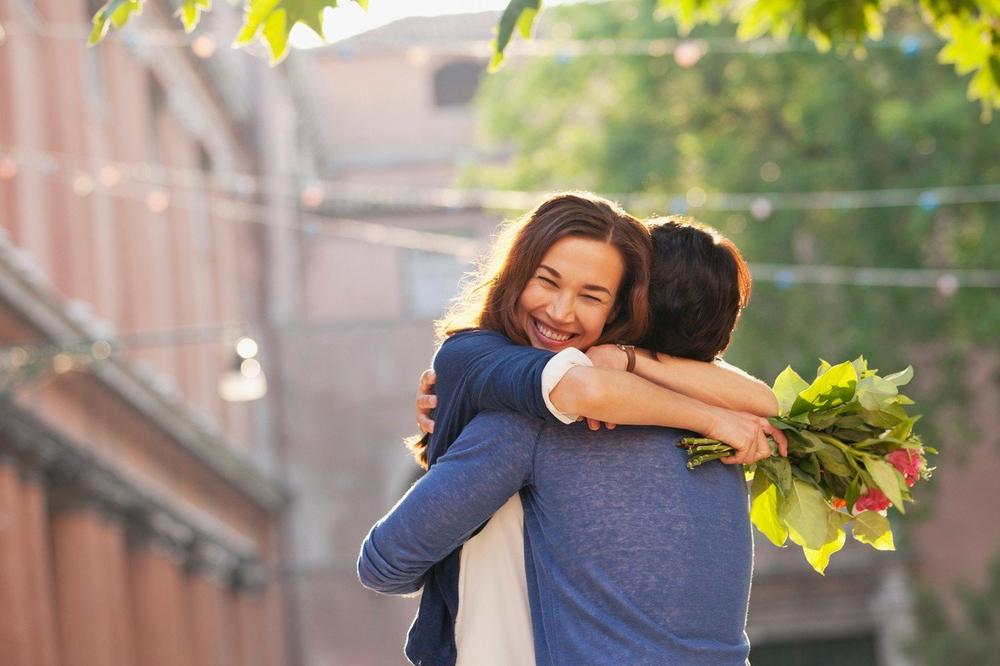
(550, 334)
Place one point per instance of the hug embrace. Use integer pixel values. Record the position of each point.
(543, 534)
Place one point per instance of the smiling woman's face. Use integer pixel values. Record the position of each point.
(571, 294)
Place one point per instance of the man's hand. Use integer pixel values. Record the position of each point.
(426, 401)
(747, 434)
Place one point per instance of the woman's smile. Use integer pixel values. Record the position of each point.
(550, 334)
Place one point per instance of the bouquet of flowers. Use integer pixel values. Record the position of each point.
(852, 454)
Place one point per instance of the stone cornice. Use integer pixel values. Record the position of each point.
(79, 477)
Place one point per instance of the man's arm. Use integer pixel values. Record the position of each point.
(488, 463)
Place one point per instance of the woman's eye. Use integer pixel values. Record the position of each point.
(593, 298)
(546, 280)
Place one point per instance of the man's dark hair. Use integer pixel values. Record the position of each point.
(699, 285)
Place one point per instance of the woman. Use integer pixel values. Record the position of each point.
(572, 275)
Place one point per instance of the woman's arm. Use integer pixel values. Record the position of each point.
(718, 384)
(486, 371)
(622, 397)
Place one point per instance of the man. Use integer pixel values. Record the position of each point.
(630, 557)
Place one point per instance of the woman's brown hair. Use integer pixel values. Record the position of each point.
(698, 288)
(489, 300)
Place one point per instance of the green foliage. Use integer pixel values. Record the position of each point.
(971, 30)
(897, 119)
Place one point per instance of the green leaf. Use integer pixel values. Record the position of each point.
(834, 387)
(779, 471)
(873, 528)
(819, 558)
(273, 20)
(832, 459)
(787, 387)
(875, 393)
(114, 12)
(887, 479)
(804, 512)
(519, 15)
(901, 378)
(190, 12)
(764, 510)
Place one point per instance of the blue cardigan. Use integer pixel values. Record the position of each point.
(630, 557)
(476, 371)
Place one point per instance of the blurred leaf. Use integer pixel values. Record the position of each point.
(273, 20)
(519, 15)
(114, 13)
(190, 12)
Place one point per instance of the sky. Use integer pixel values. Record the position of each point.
(348, 19)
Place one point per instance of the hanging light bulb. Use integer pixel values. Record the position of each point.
(8, 168)
(204, 46)
(244, 380)
(688, 53)
(109, 175)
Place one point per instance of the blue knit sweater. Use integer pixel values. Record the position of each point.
(630, 557)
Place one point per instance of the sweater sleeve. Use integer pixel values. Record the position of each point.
(490, 372)
(448, 504)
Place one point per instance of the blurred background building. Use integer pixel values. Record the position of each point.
(164, 197)
(140, 512)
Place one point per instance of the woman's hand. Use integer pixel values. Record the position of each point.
(426, 401)
(747, 434)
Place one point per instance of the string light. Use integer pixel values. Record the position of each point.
(688, 53)
(204, 46)
(464, 249)
(157, 201)
(761, 208)
(8, 168)
(311, 195)
(396, 196)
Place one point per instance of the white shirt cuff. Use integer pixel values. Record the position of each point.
(553, 373)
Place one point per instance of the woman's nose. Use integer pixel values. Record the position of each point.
(560, 309)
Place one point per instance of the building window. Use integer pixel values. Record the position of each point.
(455, 84)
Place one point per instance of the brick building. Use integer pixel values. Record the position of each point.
(139, 512)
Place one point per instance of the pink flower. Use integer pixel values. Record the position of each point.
(873, 500)
(907, 461)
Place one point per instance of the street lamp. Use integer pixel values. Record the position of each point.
(245, 380)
